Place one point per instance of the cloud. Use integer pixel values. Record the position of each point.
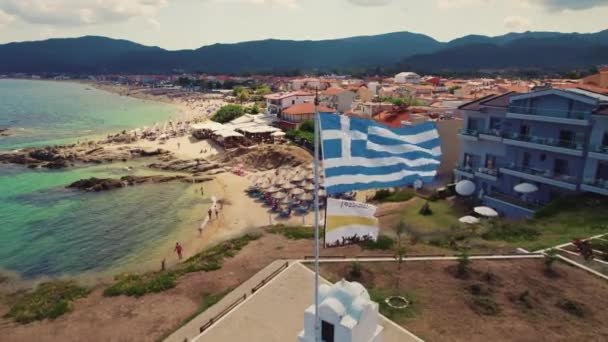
(449, 4)
(80, 12)
(370, 3)
(516, 23)
(5, 19)
(562, 5)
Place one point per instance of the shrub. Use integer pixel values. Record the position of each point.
(356, 270)
(571, 307)
(307, 126)
(228, 113)
(486, 306)
(384, 243)
(463, 262)
(550, 259)
(47, 300)
(385, 195)
(137, 285)
(426, 209)
(294, 233)
(511, 232)
(524, 298)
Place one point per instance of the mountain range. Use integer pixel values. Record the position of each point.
(417, 52)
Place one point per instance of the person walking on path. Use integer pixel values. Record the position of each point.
(217, 212)
(178, 145)
(210, 212)
(178, 250)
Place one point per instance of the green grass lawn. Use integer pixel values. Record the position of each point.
(443, 217)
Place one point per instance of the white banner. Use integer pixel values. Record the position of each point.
(349, 222)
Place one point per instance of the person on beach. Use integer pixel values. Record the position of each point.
(217, 212)
(178, 145)
(210, 212)
(202, 191)
(200, 230)
(179, 249)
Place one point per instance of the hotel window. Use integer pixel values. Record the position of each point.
(490, 162)
(526, 160)
(605, 139)
(560, 167)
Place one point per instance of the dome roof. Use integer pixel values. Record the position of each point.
(352, 296)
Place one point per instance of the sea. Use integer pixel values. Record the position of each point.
(47, 230)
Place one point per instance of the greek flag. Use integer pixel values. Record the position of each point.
(361, 154)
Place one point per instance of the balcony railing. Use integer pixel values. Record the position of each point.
(598, 183)
(492, 132)
(469, 132)
(520, 202)
(544, 173)
(599, 149)
(488, 171)
(545, 141)
(465, 168)
(554, 113)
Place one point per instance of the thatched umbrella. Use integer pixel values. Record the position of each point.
(273, 189)
(309, 187)
(297, 191)
(306, 197)
(279, 195)
(288, 186)
(297, 179)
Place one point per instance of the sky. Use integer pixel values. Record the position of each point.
(188, 24)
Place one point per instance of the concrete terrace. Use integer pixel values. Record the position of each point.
(276, 313)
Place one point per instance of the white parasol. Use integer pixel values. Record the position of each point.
(297, 191)
(465, 187)
(525, 188)
(486, 211)
(468, 220)
(279, 195)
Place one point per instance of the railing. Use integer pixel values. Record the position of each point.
(599, 149)
(469, 132)
(270, 277)
(528, 204)
(544, 141)
(465, 168)
(598, 183)
(224, 312)
(488, 171)
(492, 132)
(555, 113)
(543, 173)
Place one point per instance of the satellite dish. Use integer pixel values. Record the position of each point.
(465, 187)
(418, 184)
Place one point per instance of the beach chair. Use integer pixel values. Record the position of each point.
(285, 214)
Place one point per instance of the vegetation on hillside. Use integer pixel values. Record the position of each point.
(228, 113)
(48, 300)
(294, 233)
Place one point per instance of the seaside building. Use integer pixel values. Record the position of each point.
(556, 140)
(276, 103)
(293, 116)
(347, 314)
(407, 77)
(338, 98)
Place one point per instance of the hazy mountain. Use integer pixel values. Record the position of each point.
(544, 50)
(98, 54)
(529, 50)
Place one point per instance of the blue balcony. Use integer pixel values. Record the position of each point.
(567, 182)
(490, 174)
(491, 135)
(511, 206)
(580, 118)
(464, 171)
(598, 186)
(598, 152)
(572, 148)
(468, 134)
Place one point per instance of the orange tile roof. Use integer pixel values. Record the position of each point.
(333, 91)
(306, 108)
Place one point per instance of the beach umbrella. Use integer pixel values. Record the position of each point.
(279, 195)
(297, 191)
(309, 187)
(264, 185)
(486, 211)
(468, 220)
(322, 193)
(525, 188)
(280, 182)
(306, 197)
(298, 178)
(465, 187)
(288, 186)
(285, 201)
(273, 189)
(309, 176)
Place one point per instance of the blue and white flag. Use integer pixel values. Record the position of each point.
(361, 154)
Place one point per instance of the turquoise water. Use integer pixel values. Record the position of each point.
(44, 112)
(48, 230)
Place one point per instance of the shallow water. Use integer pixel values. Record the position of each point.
(45, 113)
(48, 230)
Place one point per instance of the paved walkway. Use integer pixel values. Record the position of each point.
(189, 331)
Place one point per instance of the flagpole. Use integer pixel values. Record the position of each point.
(316, 167)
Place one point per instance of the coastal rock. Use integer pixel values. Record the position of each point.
(104, 184)
(192, 166)
(4, 132)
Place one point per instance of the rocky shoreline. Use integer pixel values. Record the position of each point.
(58, 157)
(105, 184)
(4, 132)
